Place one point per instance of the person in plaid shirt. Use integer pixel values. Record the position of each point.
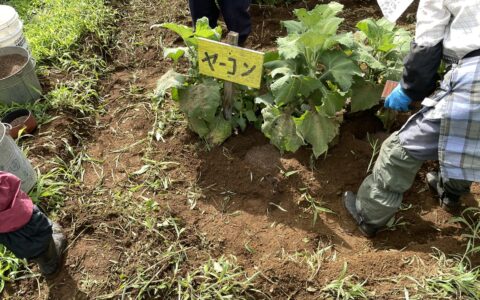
(447, 128)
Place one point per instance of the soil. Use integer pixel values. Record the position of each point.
(11, 64)
(233, 195)
(19, 121)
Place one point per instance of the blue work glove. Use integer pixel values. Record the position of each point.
(398, 100)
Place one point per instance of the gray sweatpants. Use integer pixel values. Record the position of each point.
(401, 156)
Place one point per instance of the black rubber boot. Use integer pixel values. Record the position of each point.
(448, 202)
(50, 261)
(349, 200)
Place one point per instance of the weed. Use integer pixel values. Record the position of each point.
(217, 279)
(374, 144)
(57, 33)
(10, 267)
(470, 218)
(155, 174)
(74, 95)
(313, 259)
(55, 27)
(313, 206)
(396, 223)
(345, 287)
(455, 278)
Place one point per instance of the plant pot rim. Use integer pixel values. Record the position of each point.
(18, 113)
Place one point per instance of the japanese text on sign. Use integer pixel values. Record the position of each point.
(235, 64)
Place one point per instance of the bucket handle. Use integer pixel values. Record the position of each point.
(8, 126)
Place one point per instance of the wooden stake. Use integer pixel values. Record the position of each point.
(229, 87)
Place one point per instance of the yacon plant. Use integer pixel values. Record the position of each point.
(379, 48)
(308, 82)
(200, 97)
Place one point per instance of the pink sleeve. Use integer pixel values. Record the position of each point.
(15, 206)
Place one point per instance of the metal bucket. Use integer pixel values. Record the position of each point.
(23, 86)
(12, 160)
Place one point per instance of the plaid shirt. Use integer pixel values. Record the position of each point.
(456, 22)
(457, 104)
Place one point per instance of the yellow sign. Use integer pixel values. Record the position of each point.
(230, 63)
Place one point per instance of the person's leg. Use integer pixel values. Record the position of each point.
(39, 241)
(448, 190)
(401, 156)
(204, 8)
(381, 193)
(237, 17)
(32, 239)
(456, 187)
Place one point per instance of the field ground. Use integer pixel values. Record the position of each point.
(160, 220)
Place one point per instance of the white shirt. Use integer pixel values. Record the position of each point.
(456, 22)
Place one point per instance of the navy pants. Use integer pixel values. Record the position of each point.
(234, 12)
(31, 240)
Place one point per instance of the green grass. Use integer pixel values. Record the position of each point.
(70, 38)
(470, 219)
(10, 267)
(346, 287)
(455, 279)
(54, 27)
(218, 279)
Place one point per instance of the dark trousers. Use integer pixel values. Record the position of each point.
(31, 240)
(235, 13)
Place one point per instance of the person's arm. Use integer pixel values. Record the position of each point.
(422, 63)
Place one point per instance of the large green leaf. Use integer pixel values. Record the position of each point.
(271, 56)
(364, 54)
(203, 30)
(379, 33)
(169, 80)
(314, 42)
(220, 130)
(403, 40)
(174, 53)
(266, 99)
(319, 14)
(346, 39)
(185, 32)
(308, 85)
(198, 126)
(288, 47)
(201, 101)
(332, 103)
(339, 68)
(285, 89)
(317, 130)
(289, 87)
(294, 26)
(365, 95)
(280, 128)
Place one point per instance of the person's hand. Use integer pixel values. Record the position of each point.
(398, 100)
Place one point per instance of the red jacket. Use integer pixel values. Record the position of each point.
(15, 206)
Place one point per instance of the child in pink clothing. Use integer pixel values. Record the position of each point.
(25, 230)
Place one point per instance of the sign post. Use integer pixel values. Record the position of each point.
(229, 87)
(232, 64)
